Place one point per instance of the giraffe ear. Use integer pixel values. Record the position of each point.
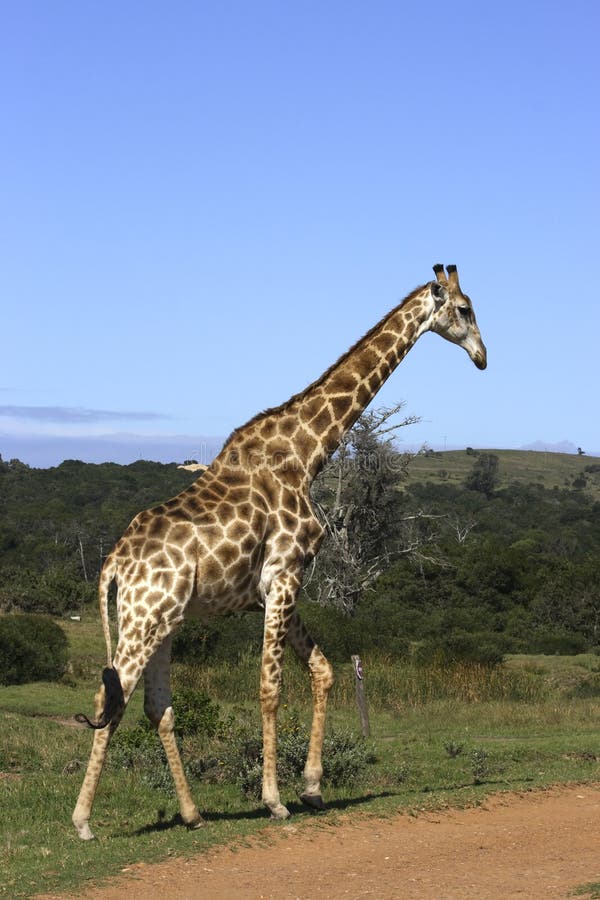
(439, 294)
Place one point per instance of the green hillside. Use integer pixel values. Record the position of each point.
(471, 572)
(516, 466)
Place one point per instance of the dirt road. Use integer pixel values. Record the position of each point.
(537, 845)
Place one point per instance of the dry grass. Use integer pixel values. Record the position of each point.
(521, 466)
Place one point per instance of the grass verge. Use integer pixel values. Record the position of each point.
(440, 737)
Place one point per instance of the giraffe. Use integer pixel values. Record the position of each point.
(240, 537)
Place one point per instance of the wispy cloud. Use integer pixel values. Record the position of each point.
(20, 390)
(76, 415)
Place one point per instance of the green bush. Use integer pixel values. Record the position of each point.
(345, 756)
(480, 765)
(136, 748)
(559, 643)
(32, 648)
(374, 626)
(338, 634)
(225, 638)
(483, 648)
(587, 688)
(140, 750)
(57, 591)
(195, 713)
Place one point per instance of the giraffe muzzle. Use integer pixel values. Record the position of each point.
(476, 350)
(480, 358)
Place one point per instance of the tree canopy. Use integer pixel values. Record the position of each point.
(476, 571)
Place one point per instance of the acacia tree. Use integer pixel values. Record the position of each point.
(484, 476)
(357, 499)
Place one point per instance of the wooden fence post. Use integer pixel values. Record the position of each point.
(361, 700)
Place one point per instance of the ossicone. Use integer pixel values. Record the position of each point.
(440, 274)
(453, 276)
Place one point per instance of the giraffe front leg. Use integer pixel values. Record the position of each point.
(321, 677)
(278, 609)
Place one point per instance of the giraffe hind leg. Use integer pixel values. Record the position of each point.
(127, 667)
(159, 709)
(102, 736)
(321, 677)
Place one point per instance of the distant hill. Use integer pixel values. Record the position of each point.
(44, 451)
(521, 466)
(547, 447)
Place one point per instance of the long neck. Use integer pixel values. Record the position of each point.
(328, 408)
(300, 436)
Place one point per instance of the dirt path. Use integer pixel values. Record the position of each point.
(536, 845)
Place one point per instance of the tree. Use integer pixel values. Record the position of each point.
(357, 499)
(32, 648)
(484, 475)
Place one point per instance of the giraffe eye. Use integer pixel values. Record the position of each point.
(465, 311)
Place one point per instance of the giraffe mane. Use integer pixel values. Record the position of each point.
(275, 410)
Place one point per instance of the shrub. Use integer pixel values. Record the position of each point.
(453, 749)
(480, 765)
(195, 713)
(338, 634)
(225, 638)
(136, 748)
(54, 592)
(483, 648)
(374, 626)
(32, 648)
(587, 688)
(345, 756)
(561, 643)
(139, 749)
(193, 641)
(484, 477)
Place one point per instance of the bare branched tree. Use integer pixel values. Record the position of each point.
(357, 499)
(460, 529)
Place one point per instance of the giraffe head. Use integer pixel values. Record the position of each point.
(453, 317)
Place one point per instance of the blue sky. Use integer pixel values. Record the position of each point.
(204, 204)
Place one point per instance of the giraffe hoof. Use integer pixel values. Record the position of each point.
(193, 820)
(84, 831)
(314, 801)
(278, 811)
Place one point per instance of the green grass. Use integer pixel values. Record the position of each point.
(524, 466)
(592, 890)
(87, 650)
(440, 737)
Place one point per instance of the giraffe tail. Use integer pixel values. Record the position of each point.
(113, 691)
(109, 570)
(114, 701)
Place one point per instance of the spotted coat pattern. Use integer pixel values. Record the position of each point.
(241, 536)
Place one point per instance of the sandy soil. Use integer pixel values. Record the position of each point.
(536, 845)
